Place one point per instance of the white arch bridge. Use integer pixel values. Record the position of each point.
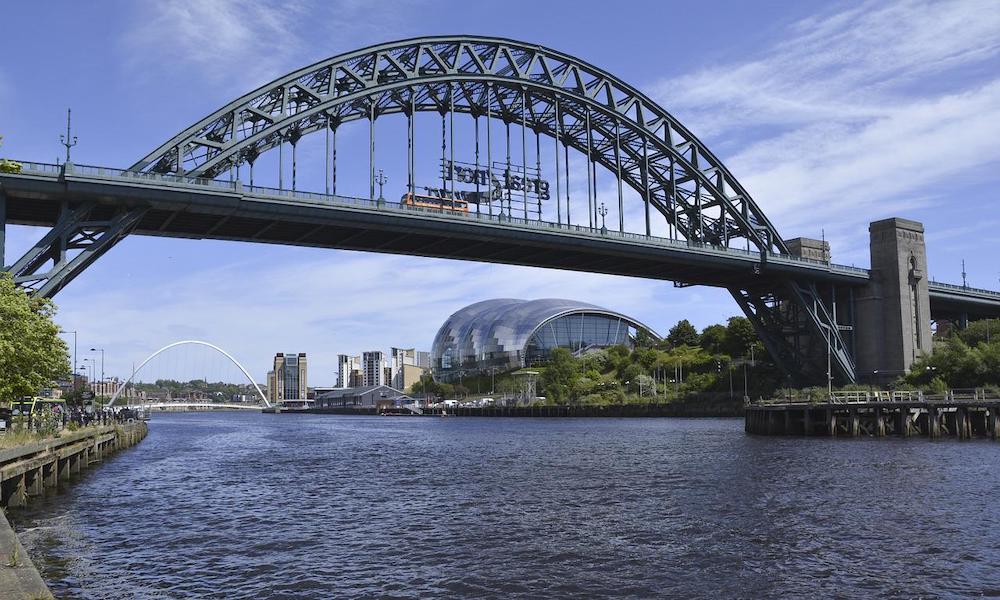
(193, 406)
(260, 392)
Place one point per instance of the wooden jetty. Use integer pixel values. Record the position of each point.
(961, 414)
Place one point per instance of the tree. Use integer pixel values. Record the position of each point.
(559, 375)
(987, 330)
(8, 166)
(682, 334)
(32, 355)
(644, 339)
(714, 338)
(740, 337)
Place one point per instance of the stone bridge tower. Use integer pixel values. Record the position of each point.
(893, 311)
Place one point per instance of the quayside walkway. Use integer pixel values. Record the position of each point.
(960, 414)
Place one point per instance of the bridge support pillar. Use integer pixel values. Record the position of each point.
(933, 423)
(893, 312)
(879, 422)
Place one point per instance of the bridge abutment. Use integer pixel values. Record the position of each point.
(893, 311)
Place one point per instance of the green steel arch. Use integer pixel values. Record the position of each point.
(550, 92)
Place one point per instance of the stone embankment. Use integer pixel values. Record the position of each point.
(29, 470)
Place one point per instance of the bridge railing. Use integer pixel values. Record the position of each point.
(962, 288)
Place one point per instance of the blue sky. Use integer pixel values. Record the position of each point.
(831, 114)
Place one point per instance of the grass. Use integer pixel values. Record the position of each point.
(13, 438)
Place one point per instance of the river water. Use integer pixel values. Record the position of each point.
(245, 505)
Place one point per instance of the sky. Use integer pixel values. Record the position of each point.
(831, 115)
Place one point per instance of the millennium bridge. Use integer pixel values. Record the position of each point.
(697, 225)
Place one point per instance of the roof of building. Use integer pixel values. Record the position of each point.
(506, 324)
(359, 391)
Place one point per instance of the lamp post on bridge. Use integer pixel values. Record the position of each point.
(66, 140)
(381, 180)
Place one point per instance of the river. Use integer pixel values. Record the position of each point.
(245, 505)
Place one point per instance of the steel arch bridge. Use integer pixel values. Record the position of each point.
(717, 234)
(548, 92)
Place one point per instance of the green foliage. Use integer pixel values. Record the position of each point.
(559, 375)
(957, 364)
(741, 338)
(47, 422)
(713, 339)
(8, 166)
(218, 391)
(682, 334)
(427, 385)
(643, 339)
(980, 332)
(32, 355)
(618, 374)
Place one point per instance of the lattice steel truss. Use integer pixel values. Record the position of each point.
(80, 236)
(552, 93)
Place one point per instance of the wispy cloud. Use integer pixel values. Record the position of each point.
(247, 43)
(881, 106)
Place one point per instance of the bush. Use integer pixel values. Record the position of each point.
(47, 422)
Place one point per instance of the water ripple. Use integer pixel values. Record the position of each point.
(263, 506)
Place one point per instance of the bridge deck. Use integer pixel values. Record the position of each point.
(199, 208)
(194, 208)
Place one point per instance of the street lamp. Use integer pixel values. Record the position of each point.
(101, 350)
(90, 366)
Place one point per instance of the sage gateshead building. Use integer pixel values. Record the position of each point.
(506, 334)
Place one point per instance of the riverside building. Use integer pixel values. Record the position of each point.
(287, 382)
(505, 334)
(348, 371)
(373, 368)
(408, 364)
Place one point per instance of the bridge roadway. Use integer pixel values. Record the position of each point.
(190, 405)
(185, 207)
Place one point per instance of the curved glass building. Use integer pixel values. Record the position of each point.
(508, 334)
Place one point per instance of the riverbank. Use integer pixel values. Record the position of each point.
(32, 469)
(663, 409)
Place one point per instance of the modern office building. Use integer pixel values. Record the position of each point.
(373, 368)
(506, 334)
(287, 382)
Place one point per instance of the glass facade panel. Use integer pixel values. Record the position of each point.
(507, 334)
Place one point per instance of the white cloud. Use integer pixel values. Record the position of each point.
(246, 43)
(878, 108)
